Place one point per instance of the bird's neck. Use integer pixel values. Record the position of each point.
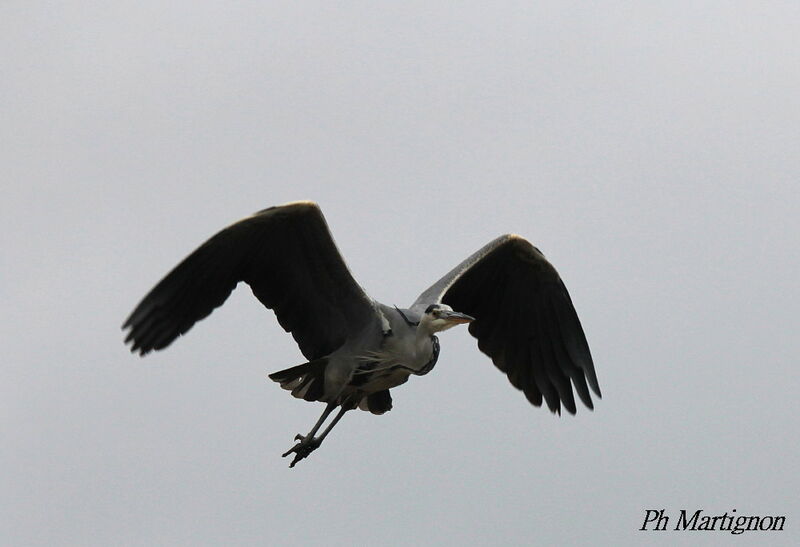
(424, 335)
(427, 350)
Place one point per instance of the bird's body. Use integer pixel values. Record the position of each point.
(377, 361)
(359, 349)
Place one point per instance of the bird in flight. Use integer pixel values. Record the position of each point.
(359, 349)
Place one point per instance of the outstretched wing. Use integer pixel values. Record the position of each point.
(287, 256)
(524, 320)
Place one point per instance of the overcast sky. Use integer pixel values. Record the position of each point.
(652, 153)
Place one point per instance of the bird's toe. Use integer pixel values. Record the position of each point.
(302, 449)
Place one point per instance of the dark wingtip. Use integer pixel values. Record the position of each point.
(136, 347)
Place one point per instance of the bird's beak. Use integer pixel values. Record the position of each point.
(456, 317)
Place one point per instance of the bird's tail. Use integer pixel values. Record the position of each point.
(306, 381)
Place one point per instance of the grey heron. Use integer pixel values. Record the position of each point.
(359, 349)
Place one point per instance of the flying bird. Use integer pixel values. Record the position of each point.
(359, 349)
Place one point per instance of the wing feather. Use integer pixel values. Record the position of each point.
(287, 256)
(525, 321)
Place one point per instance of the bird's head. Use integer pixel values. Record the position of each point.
(439, 317)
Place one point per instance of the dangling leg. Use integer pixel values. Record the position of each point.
(309, 443)
(325, 413)
(333, 423)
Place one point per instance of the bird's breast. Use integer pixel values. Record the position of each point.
(393, 364)
(374, 376)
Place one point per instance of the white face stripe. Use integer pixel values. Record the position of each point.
(440, 307)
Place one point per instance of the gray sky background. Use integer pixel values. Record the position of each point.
(651, 152)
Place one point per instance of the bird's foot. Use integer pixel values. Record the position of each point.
(302, 449)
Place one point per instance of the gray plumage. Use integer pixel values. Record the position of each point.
(358, 349)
